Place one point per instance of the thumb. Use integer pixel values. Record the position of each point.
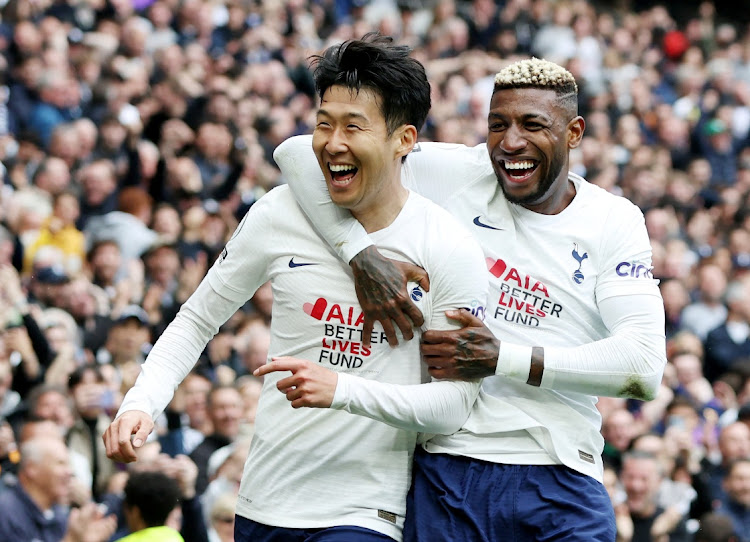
(140, 436)
(414, 273)
(464, 317)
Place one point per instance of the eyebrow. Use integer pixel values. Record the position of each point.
(354, 115)
(527, 117)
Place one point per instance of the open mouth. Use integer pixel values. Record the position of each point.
(342, 174)
(519, 170)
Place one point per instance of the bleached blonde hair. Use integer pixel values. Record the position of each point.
(536, 73)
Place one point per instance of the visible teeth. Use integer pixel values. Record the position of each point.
(341, 167)
(519, 165)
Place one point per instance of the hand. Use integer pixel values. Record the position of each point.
(186, 473)
(309, 386)
(461, 354)
(89, 524)
(117, 437)
(380, 284)
(11, 284)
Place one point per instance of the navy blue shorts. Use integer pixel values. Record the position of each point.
(247, 530)
(459, 499)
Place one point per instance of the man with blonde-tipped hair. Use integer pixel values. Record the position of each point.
(574, 313)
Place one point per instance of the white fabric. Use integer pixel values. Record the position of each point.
(514, 361)
(543, 292)
(313, 468)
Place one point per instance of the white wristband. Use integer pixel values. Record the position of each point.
(514, 361)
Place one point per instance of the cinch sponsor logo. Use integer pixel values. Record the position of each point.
(476, 309)
(341, 345)
(634, 269)
(523, 299)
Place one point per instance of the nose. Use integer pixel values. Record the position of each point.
(336, 142)
(513, 139)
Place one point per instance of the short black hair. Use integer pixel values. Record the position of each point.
(154, 493)
(376, 63)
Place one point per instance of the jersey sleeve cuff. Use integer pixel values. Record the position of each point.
(341, 395)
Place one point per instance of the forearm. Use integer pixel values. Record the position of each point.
(630, 363)
(335, 225)
(438, 407)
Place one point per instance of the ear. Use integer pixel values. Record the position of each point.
(407, 138)
(576, 128)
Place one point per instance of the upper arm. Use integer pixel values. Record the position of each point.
(438, 171)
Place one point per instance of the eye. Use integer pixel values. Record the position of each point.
(533, 126)
(496, 126)
(353, 127)
(322, 124)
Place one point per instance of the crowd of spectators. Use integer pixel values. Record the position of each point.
(135, 134)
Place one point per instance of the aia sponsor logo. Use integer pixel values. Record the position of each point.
(341, 344)
(523, 300)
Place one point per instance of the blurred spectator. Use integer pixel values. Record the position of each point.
(92, 398)
(187, 517)
(36, 508)
(736, 503)
(730, 342)
(186, 101)
(88, 306)
(641, 478)
(128, 225)
(733, 444)
(618, 429)
(150, 497)
(707, 312)
(224, 406)
(221, 526)
(59, 231)
(715, 527)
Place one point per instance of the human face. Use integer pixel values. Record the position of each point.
(225, 411)
(737, 484)
(640, 478)
(360, 161)
(530, 136)
(52, 475)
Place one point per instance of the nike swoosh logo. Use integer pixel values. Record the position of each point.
(477, 222)
(294, 264)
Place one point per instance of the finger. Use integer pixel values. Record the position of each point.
(294, 395)
(432, 336)
(464, 317)
(440, 373)
(390, 332)
(123, 446)
(414, 314)
(141, 434)
(414, 273)
(367, 331)
(278, 364)
(441, 350)
(405, 326)
(287, 383)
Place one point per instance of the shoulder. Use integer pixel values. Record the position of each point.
(604, 208)
(596, 195)
(437, 221)
(446, 157)
(272, 203)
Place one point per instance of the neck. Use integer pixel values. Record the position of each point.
(39, 497)
(387, 205)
